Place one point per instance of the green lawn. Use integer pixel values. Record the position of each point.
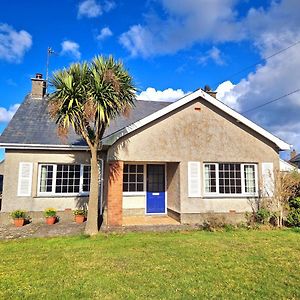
(183, 265)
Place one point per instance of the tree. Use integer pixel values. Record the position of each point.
(87, 96)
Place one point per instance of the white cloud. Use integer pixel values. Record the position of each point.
(104, 33)
(70, 48)
(167, 95)
(271, 30)
(93, 9)
(13, 44)
(213, 54)
(89, 9)
(186, 23)
(226, 94)
(7, 114)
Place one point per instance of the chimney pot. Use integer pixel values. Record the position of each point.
(39, 76)
(293, 154)
(210, 92)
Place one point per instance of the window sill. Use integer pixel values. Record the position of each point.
(230, 196)
(61, 195)
(134, 193)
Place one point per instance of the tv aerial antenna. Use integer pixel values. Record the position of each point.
(50, 52)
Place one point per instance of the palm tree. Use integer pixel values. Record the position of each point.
(87, 96)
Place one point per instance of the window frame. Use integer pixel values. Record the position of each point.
(53, 193)
(231, 195)
(142, 193)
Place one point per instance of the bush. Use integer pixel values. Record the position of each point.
(50, 212)
(293, 218)
(295, 203)
(263, 216)
(18, 214)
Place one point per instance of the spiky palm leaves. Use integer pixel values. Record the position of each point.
(88, 96)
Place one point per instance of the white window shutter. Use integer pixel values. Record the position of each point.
(194, 180)
(267, 179)
(25, 179)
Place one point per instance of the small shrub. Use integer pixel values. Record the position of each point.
(18, 214)
(79, 212)
(293, 218)
(263, 216)
(229, 227)
(294, 203)
(50, 212)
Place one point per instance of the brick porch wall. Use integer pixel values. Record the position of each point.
(115, 194)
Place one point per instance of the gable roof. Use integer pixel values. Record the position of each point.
(31, 126)
(109, 140)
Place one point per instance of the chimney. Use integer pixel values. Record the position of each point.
(209, 91)
(293, 154)
(38, 86)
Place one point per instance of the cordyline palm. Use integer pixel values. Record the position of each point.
(87, 96)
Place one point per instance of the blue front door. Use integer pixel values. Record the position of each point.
(156, 189)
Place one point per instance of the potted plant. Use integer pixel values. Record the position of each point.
(79, 215)
(18, 217)
(50, 214)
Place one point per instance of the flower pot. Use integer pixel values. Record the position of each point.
(50, 220)
(79, 219)
(19, 222)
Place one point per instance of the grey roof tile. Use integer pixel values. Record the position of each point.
(296, 158)
(31, 124)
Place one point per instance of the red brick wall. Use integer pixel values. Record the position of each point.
(115, 194)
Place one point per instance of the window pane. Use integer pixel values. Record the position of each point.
(125, 187)
(132, 168)
(140, 169)
(133, 178)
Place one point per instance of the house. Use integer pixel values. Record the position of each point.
(295, 158)
(286, 166)
(187, 159)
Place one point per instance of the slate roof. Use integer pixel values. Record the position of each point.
(296, 158)
(31, 124)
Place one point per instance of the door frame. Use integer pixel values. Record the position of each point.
(166, 193)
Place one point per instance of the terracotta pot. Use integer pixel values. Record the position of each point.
(79, 219)
(50, 220)
(19, 222)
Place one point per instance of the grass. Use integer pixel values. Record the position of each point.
(228, 265)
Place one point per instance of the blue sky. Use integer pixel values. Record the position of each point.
(170, 47)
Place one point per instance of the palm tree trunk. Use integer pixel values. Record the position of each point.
(91, 227)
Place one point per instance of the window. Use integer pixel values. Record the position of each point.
(64, 179)
(46, 178)
(230, 179)
(249, 171)
(133, 178)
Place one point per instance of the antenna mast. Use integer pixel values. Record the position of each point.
(49, 52)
